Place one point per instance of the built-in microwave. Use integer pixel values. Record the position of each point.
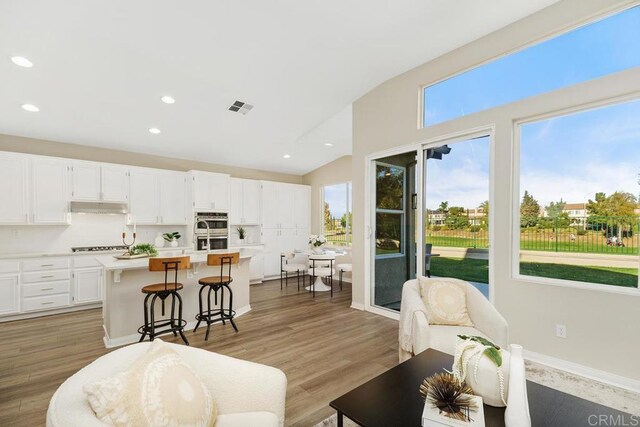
(215, 243)
(216, 222)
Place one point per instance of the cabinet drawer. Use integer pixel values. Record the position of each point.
(9, 267)
(45, 288)
(85, 261)
(45, 303)
(45, 276)
(38, 264)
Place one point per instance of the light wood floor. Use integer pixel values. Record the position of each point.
(324, 347)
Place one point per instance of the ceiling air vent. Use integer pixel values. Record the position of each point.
(240, 107)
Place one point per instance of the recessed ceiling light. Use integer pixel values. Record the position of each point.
(168, 99)
(30, 107)
(155, 131)
(21, 61)
(328, 144)
(287, 156)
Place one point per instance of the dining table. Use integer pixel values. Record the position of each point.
(331, 255)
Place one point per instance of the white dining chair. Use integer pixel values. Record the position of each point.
(287, 265)
(321, 266)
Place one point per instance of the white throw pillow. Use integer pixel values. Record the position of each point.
(159, 389)
(446, 301)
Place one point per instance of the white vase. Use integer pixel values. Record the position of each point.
(318, 250)
(517, 412)
(174, 243)
(241, 241)
(485, 381)
(159, 241)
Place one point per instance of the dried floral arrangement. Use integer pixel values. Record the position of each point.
(452, 398)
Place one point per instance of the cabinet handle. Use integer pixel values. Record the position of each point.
(46, 277)
(45, 303)
(46, 265)
(46, 289)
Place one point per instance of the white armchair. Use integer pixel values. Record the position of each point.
(245, 393)
(417, 335)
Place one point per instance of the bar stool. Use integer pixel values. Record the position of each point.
(153, 327)
(215, 284)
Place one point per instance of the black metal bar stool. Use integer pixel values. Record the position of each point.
(173, 324)
(215, 284)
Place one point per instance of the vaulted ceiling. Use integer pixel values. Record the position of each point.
(101, 67)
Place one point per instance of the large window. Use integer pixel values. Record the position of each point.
(595, 50)
(578, 200)
(336, 213)
(390, 209)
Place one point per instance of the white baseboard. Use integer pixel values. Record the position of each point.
(357, 306)
(63, 310)
(130, 339)
(584, 371)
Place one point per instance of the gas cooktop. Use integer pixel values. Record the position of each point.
(99, 248)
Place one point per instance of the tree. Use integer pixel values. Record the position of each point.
(444, 207)
(616, 211)
(529, 210)
(457, 218)
(484, 206)
(346, 218)
(327, 215)
(558, 217)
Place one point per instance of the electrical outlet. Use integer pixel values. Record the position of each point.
(561, 331)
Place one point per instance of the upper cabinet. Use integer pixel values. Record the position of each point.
(94, 181)
(210, 191)
(158, 196)
(244, 202)
(13, 184)
(50, 190)
(285, 206)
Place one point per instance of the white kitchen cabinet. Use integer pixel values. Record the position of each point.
(114, 183)
(269, 204)
(87, 286)
(93, 181)
(173, 198)
(86, 181)
(302, 206)
(276, 241)
(256, 269)
(244, 201)
(144, 205)
(49, 190)
(210, 191)
(9, 294)
(14, 187)
(285, 206)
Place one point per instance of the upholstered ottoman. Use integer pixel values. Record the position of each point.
(246, 393)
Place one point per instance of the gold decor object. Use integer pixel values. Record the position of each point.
(452, 398)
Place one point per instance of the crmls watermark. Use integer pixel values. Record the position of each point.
(614, 420)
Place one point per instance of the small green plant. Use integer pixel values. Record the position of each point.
(143, 248)
(242, 233)
(170, 236)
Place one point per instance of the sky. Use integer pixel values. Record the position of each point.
(335, 195)
(569, 157)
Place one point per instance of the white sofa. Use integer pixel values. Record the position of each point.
(417, 335)
(246, 393)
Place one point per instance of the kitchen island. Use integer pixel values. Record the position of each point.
(122, 308)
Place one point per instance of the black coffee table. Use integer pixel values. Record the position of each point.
(392, 399)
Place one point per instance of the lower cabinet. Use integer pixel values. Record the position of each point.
(9, 294)
(87, 286)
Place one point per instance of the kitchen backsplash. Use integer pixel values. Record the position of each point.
(86, 230)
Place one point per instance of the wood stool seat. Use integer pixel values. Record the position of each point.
(215, 280)
(217, 284)
(161, 287)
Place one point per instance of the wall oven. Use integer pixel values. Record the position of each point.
(217, 223)
(215, 243)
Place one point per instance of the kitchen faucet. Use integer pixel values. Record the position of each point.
(206, 224)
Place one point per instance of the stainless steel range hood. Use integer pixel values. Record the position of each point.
(99, 207)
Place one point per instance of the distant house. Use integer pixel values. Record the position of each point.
(476, 216)
(577, 213)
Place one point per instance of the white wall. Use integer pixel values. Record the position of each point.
(602, 326)
(86, 230)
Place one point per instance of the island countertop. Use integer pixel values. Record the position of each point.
(111, 263)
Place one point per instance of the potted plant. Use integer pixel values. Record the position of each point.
(143, 248)
(242, 233)
(172, 238)
(316, 243)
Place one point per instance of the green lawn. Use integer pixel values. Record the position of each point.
(477, 270)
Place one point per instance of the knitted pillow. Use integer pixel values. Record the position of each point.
(159, 389)
(446, 301)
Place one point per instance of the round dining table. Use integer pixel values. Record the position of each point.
(319, 284)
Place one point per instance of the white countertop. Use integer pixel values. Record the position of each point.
(110, 263)
(95, 254)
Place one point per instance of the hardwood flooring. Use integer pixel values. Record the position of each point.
(324, 347)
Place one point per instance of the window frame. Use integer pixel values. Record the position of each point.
(402, 213)
(607, 13)
(515, 197)
(349, 197)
